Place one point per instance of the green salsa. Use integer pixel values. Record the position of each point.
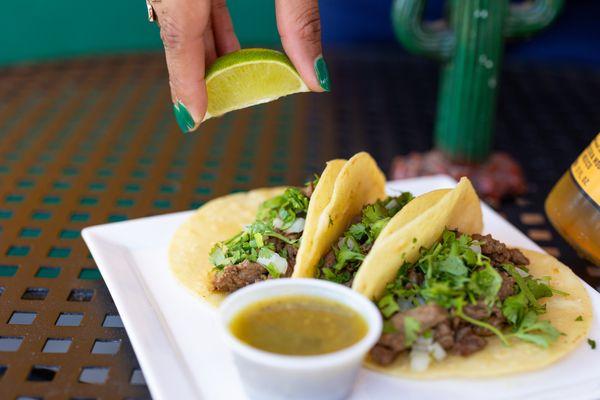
(298, 325)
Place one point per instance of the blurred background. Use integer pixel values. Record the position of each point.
(37, 30)
(87, 136)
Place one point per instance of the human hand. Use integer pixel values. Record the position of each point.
(196, 32)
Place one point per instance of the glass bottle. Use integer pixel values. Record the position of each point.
(573, 205)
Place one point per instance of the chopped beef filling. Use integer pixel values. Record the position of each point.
(498, 252)
(415, 278)
(477, 311)
(467, 342)
(454, 334)
(234, 277)
(444, 334)
(508, 286)
(391, 344)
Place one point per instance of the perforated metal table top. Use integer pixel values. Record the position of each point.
(84, 142)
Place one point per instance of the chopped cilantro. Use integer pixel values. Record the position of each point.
(285, 208)
(592, 343)
(531, 291)
(411, 330)
(315, 181)
(531, 329)
(453, 265)
(272, 271)
(388, 305)
(388, 327)
(356, 242)
(273, 217)
(485, 283)
(515, 307)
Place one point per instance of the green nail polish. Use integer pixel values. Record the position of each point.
(184, 118)
(322, 73)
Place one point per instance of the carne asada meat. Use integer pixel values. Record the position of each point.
(477, 311)
(414, 278)
(444, 335)
(508, 286)
(291, 252)
(383, 355)
(498, 252)
(496, 319)
(467, 342)
(428, 316)
(391, 344)
(234, 277)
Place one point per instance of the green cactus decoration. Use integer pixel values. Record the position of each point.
(471, 48)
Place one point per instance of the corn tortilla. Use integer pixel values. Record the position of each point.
(359, 183)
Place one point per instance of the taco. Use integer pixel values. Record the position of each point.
(457, 303)
(342, 261)
(243, 238)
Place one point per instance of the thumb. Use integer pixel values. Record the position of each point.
(182, 27)
(299, 25)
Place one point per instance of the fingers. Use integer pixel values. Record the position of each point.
(183, 25)
(226, 40)
(299, 25)
(210, 50)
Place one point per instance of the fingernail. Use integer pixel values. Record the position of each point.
(184, 118)
(322, 73)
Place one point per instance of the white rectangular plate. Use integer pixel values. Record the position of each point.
(175, 334)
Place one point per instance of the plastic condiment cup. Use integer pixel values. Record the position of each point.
(271, 376)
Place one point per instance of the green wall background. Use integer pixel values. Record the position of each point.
(34, 30)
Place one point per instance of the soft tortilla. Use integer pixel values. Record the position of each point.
(497, 359)
(360, 182)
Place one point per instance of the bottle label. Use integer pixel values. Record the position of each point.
(586, 171)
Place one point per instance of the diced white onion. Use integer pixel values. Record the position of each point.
(419, 360)
(421, 352)
(277, 223)
(296, 227)
(422, 343)
(405, 304)
(393, 203)
(521, 272)
(341, 242)
(275, 260)
(476, 248)
(438, 352)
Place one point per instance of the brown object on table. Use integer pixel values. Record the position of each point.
(498, 178)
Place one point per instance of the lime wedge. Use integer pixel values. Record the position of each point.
(249, 77)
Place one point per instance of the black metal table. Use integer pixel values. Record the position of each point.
(89, 141)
